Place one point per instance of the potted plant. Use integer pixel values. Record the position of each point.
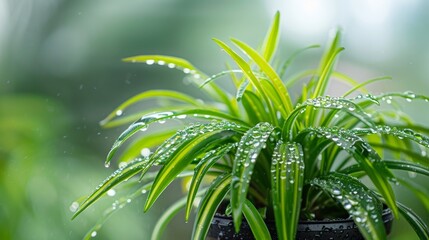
(270, 160)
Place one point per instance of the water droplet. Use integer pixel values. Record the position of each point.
(161, 63)
(74, 206)
(412, 174)
(181, 116)
(107, 164)
(162, 121)
(150, 62)
(145, 152)
(171, 65)
(94, 233)
(186, 70)
(119, 113)
(336, 192)
(144, 191)
(144, 128)
(122, 164)
(111, 193)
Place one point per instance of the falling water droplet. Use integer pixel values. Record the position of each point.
(111, 193)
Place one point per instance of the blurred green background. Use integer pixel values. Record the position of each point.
(61, 73)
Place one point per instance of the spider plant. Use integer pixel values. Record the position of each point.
(268, 153)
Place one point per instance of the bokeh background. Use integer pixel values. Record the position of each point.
(61, 73)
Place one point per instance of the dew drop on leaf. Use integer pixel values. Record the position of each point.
(171, 65)
(145, 152)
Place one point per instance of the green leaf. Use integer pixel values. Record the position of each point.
(171, 62)
(248, 151)
(359, 201)
(326, 65)
(209, 204)
(270, 72)
(289, 61)
(116, 206)
(149, 141)
(119, 176)
(287, 171)
(176, 160)
(218, 75)
(419, 226)
(241, 89)
(272, 38)
(145, 121)
(200, 171)
(361, 85)
(247, 70)
(150, 95)
(255, 109)
(166, 217)
(364, 154)
(393, 165)
(326, 102)
(256, 222)
(420, 192)
(405, 133)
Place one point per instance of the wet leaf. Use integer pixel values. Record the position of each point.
(200, 171)
(209, 204)
(359, 201)
(287, 171)
(194, 143)
(255, 220)
(248, 151)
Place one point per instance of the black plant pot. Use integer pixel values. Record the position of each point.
(222, 228)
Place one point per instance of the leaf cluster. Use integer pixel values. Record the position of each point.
(269, 153)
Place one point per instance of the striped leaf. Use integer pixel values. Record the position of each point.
(119, 176)
(271, 39)
(177, 96)
(255, 221)
(363, 153)
(418, 224)
(359, 201)
(177, 153)
(248, 151)
(143, 123)
(287, 171)
(200, 171)
(209, 204)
